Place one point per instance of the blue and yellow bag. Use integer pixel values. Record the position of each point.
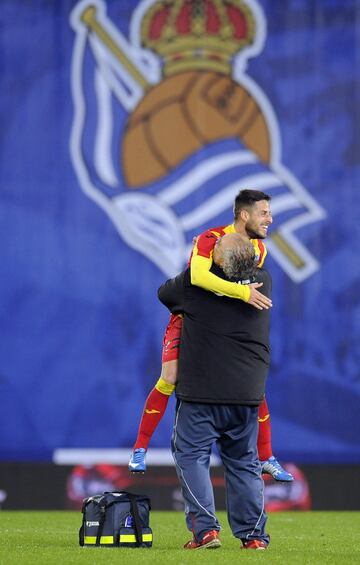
(116, 519)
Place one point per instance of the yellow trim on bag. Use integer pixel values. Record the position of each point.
(91, 540)
(125, 538)
(130, 538)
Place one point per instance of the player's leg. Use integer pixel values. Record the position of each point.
(156, 404)
(158, 398)
(269, 464)
(264, 435)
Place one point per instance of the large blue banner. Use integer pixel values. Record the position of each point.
(128, 128)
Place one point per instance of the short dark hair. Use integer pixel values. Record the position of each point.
(247, 198)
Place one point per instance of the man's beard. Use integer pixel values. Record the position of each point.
(253, 234)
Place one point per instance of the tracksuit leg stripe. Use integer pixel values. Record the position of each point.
(234, 429)
(180, 471)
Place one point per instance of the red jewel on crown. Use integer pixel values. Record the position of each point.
(197, 34)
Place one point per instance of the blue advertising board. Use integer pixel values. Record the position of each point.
(128, 128)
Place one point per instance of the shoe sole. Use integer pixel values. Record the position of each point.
(287, 480)
(253, 548)
(213, 544)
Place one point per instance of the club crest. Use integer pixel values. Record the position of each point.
(168, 127)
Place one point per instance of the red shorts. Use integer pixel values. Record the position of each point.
(171, 341)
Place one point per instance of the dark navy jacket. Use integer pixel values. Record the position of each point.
(224, 351)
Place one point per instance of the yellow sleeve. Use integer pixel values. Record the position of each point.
(201, 276)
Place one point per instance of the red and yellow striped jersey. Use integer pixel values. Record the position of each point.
(201, 261)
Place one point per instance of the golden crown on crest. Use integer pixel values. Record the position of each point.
(197, 34)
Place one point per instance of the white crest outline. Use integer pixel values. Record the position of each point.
(170, 260)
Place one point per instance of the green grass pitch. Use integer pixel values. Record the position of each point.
(303, 537)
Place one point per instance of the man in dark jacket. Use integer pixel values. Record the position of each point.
(223, 364)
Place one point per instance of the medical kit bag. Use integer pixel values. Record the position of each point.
(116, 519)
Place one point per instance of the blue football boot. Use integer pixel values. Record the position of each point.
(137, 461)
(272, 467)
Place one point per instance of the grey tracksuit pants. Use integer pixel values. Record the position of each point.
(234, 429)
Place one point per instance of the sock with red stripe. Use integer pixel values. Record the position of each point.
(154, 410)
(264, 434)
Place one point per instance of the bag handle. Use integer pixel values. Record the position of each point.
(134, 511)
(101, 524)
(137, 521)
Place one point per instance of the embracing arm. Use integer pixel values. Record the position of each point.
(200, 265)
(203, 277)
(171, 294)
